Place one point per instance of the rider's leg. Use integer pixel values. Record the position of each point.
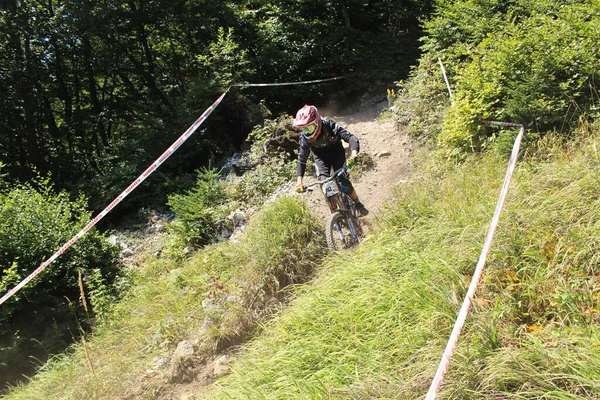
(322, 167)
(347, 186)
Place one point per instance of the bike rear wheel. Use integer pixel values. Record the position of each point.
(342, 231)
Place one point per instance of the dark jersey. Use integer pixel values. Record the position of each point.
(327, 145)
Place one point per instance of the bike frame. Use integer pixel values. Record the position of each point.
(338, 200)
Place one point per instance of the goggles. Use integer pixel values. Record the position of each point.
(309, 130)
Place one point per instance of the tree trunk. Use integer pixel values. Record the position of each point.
(96, 106)
(148, 70)
(344, 8)
(25, 78)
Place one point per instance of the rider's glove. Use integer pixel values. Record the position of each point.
(351, 162)
(299, 188)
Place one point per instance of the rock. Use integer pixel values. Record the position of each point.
(128, 252)
(221, 366)
(114, 240)
(156, 228)
(238, 217)
(182, 363)
(184, 348)
(234, 238)
(224, 235)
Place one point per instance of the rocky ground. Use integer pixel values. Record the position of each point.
(389, 148)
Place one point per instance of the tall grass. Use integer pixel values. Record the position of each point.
(373, 322)
(373, 325)
(167, 303)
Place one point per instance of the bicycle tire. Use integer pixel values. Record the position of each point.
(338, 233)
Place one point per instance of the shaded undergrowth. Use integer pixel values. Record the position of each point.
(215, 298)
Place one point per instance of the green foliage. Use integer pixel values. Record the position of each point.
(201, 210)
(378, 318)
(218, 295)
(282, 247)
(37, 321)
(457, 26)
(272, 152)
(260, 182)
(526, 62)
(85, 85)
(225, 60)
(539, 73)
(269, 128)
(423, 100)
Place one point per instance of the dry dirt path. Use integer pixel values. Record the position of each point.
(389, 147)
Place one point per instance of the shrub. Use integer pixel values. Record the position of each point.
(274, 142)
(423, 100)
(41, 318)
(201, 209)
(539, 73)
(527, 62)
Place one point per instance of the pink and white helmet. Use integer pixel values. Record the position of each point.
(309, 121)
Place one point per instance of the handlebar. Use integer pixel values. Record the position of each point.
(332, 177)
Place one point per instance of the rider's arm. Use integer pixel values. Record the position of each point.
(303, 153)
(345, 135)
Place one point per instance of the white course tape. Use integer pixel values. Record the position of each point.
(119, 198)
(143, 177)
(462, 315)
(287, 83)
(446, 80)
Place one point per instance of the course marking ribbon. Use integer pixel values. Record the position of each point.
(143, 177)
(287, 83)
(119, 198)
(462, 315)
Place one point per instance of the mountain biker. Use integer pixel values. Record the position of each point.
(324, 137)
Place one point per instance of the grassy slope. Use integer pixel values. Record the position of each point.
(173, 299)
(373, 323)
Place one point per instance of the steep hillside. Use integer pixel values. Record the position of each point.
(390, 149)
(176, 361)
(373, 323)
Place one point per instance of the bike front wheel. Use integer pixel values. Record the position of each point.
(342, 231)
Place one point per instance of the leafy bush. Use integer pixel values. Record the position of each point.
(201, 209)
(539, 73)
(274, 142)
(530, 62)
(423, 100)
(257, 184)
(41, 318)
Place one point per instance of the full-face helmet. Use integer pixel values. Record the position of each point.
(309, 122)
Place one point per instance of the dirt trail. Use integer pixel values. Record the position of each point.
(390, 149)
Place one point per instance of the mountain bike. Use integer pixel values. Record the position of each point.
(343, 229)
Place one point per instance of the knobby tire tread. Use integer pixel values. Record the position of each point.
(330, 230)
